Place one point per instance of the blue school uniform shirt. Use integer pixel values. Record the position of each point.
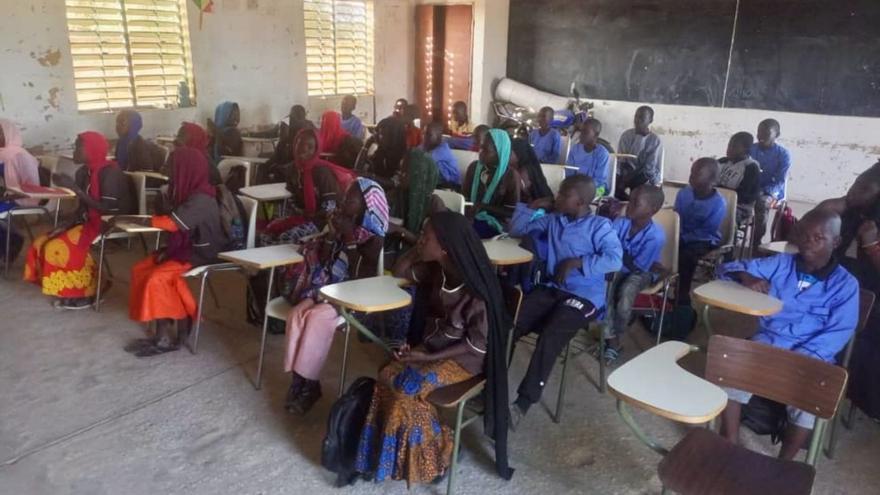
(819, 313)
(593, 163)
(645, 247)
(446, 162)
(590, 238)
(775, 163)
(353, 126)
(548, 146)
(700, 218)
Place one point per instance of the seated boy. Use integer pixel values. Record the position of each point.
(742, 174)
(642, 242)
(590, 157)
(775, 163)
(701, 209)
(350, 122)
(645, 145)
(581, 248)
(459, 124)
(433, 144)
(820, 310)
(547, 141)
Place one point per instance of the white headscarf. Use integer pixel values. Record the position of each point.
(20, 167)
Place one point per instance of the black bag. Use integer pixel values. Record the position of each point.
(344, 427)
(677, 324)
(765, 417)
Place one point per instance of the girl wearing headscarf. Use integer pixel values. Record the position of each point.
(342, 147)
(158, 292)
(349, 250)
(18, 168)
(391, 138)
(533, 184)
(134, 153)
(467, 328)
(60, 261)
(225, 136)
(316, 186)
(492, 186)
(192, 135)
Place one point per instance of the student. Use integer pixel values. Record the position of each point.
(413, 132)
(547, 141)
(18, 168)
(480, 133)
(391, 140)
(459, 124)
(645, 145)
(331, 132)
(349, 250)
(642, 242)
(60, 261)
(134, 153)
(193, 135)
(581, 249)
(399, 107)
(225, 136)
(590, 157)
(350, 122)
(775, 162)
(701, 209)
(277, 167)
(467, 327)
(418, 180)
(742, 174)
(491, 186)
(442, 156)
(525, 162)
(158, 291)
(820, 310)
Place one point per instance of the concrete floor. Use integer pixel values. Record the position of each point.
(80, 416)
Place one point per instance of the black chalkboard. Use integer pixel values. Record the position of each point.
(818, 56)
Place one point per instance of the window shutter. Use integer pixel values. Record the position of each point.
(339, 46)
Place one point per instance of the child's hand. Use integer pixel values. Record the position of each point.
(754, 283)
(545, 203)
(564, 267)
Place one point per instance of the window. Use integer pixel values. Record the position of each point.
(130, 54)
(339, 46)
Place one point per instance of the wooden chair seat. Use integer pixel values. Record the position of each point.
(451, 395)
(706, 463)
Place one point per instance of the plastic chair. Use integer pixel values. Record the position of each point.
(564, 148)
(612, 176)
(670, 221)
(464, 158)
(554, 174)
(226, 165)
(50, 163)
(453, 200)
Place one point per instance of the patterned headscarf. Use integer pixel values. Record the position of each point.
(375, 220)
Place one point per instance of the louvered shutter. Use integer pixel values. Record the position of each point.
(339, 46)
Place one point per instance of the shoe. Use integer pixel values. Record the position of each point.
(155, 350)
(138, 344)
(73, 304)
(296, 385)
(306, 398)
(612, 354)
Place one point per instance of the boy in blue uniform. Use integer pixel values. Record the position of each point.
(432, 143)
(350, 122)
(642, 242)
(775, 163)
(581, 249)
(701, 209)
(590, 157)
(546, 141)
(820, 311)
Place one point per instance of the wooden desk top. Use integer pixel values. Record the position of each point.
(506, 251)
(264, 257)
(267, 192)
(735, 297)
(63, 193)
(368, 294)
(654, 381)
(779, 247)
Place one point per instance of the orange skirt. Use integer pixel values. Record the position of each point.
(61, 266)
(159, 291)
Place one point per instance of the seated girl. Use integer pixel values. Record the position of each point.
(466, 330)
(225, 136)
(342, 148)
(316, 186)
(60, 261)
(492, 186)
(134, 153)
(533, 184)
(158, 292)
(17, 168)
(391, 140)
(350, 249)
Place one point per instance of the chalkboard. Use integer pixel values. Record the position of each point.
(818, 56)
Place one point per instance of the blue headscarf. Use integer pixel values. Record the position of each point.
(135, 124)
(222, 114)
(502, 146)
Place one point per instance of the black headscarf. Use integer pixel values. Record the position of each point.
(460, 241)
(392, 147)
(529, 163)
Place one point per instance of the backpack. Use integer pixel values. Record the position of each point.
(233, 218)
(344, 427)
(235, 180)
(783, 225)
(765, 417)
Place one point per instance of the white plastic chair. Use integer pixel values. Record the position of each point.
(464, 158)
(453, 200)
(226, 165)
(669, 220)
(554, 174)
(564, 148)
(612, 176)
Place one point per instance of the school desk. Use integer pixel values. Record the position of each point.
(154, 175)
(267, 193)
(505, 251)
(54, 193)
(117, 230)
(167, 141)
(255, 162)
(654, 381)
(778, 247)
(367, 295)
(735, 297)
(258, 145)
(262, 258)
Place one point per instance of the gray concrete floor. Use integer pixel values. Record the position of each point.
(80, 416)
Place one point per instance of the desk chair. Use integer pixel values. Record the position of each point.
(554, 174)
(227, 164)
(453, 200)
(728, 233)
(464, 158)
(670, 191)
(564, 148)
(705, 462)
(662, 164)
(50, 163)
(205, 271)
(612, 176)
(669, 220)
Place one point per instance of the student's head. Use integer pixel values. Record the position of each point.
(545, 117)
(704, 175)
(459, 112)
(739, 145)
(305, 145)
(643, 119)
(429, 245)
(91, 149)
(590, 131)
(399, 107)
(192, 135)
(768, 131)
(480, 133)
(433, 135)
(575, 195)
(488, 152)
(644, 202)
(817, 235)
(128, 121)
(521, 132)
(354, 205)
(349, 103)
(865, 191)
(297, 113)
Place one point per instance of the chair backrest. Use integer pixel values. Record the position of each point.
(669, 221)
(250, 209)
(140, 187)
(670, 191)
(612, 175)
(453, 200)
(662, 164)
(49, 162)
(463, 159)
(564, 148)
(227, 164)
(728, 225)
(866, 304)
(777, 374)
(554, 174)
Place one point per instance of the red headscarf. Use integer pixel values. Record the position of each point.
(94, 146)
(343, 175)
(196, 136)
(332, 133)
(190, 175)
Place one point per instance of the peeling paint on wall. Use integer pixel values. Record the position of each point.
(53, 98)
(49, 59)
